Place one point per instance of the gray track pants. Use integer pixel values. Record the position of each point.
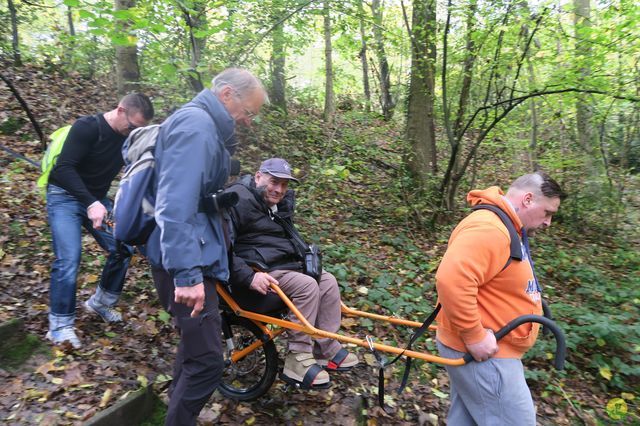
(491, 393)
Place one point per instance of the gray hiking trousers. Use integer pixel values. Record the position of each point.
(489, 393)
(319, 302)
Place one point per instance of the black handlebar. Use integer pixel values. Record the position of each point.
(546, 312)
(561, 346)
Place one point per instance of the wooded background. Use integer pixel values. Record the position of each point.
(391, 111)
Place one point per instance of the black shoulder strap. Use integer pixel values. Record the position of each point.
(193, 104)
(99, 127)
(516, 247)
(293, 233)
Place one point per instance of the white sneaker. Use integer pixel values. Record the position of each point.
(107, 313)
(65, 334)
(299, 365)
(342, 361)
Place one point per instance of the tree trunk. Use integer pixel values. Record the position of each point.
(27, 110)
(127, 70)
(456, 132)
(533, 141)
(467, 73)
(72, 28)
(532, 154)
(421, 130)
(329, 102)
(363, 60)
(195, 19)
(70, 46)
(584, 112)
(92, 58)
(278, 58)
(386, 101)
(15, 41)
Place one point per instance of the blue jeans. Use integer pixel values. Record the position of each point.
(66, 218)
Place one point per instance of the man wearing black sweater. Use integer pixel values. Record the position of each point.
(77, 197)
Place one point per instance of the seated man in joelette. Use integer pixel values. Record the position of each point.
(262, 224)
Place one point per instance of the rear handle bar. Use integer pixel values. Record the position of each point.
(561, 345)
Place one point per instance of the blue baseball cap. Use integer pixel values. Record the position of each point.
(277, 167)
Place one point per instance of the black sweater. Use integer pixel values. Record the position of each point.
(90, 159)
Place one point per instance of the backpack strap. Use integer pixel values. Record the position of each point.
(516, 246)
(99, 127)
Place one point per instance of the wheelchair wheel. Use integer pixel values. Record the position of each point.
(252, 376)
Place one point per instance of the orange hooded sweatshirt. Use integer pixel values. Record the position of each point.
(474, 290)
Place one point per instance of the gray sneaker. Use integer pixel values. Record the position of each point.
(107, 313)
(65, 334)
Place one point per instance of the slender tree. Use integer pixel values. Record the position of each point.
(70, 46)
(329, 102)
(533, 102)
(15, 41)
(127, 70)
(584, 112)
(195, 20)
(363, 59)
(278, 57)
(384, 75)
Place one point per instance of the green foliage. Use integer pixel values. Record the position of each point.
(16, 345)
(11, 125)
(599, 319)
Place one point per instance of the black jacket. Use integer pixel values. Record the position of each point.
(259, 237)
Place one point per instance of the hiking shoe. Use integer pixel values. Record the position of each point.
(64, 334)
(107, 313)
(342, 361)
(302, 368)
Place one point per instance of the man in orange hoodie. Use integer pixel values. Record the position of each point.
(481, 289)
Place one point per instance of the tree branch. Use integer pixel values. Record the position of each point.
(266, 33)
(525, 51)
(26, 109)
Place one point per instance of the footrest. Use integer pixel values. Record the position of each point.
(299, 385)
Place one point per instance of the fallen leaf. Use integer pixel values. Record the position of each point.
(105, 398)
(606, 372)
(143, 381)
(349, 322)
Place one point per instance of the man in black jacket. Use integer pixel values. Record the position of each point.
(263, 233)
(77, 197)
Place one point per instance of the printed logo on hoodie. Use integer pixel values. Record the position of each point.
(533, 291)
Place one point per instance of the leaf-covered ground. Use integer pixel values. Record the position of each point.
(372, 257)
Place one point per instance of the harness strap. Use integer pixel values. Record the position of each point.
(416, 335)
(515, 247)
(310, 376)
(383, 362)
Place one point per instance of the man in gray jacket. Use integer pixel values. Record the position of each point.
(187, 249)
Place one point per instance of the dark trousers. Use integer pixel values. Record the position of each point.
(198, 366)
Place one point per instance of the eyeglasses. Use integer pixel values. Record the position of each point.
(251, 116)
(130, 126)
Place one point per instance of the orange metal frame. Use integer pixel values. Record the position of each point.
(261, 320)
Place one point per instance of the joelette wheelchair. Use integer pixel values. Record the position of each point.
(251, 357)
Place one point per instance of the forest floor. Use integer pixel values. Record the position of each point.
(64, 386)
